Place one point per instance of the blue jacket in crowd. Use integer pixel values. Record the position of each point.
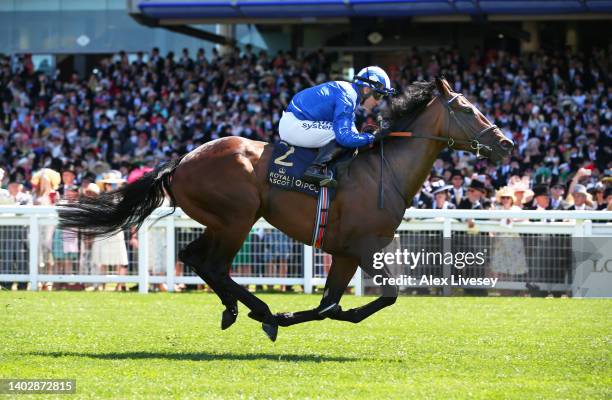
(335, 102)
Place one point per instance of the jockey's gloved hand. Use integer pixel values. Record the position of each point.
(383, 130)
(381, 133)
(370, 128)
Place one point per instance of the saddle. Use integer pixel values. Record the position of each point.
(288, 164)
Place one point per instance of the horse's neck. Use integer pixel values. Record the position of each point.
(413, 158)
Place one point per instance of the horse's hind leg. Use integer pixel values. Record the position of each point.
(195, 255)
(224, 246)
(228, 212)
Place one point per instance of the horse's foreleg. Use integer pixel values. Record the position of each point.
(358, 314)
(340, 275)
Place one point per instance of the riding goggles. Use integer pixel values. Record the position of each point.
(380, 90)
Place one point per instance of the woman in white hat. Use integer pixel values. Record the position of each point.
(111, 181)
(505, 199)
(520, 188)
(440, 192)
(508, 251)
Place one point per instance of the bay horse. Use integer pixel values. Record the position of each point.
(223, 186)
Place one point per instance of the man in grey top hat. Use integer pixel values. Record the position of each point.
(580, 196)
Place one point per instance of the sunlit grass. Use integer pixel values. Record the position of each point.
(124, 345)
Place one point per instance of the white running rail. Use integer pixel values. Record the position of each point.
(270, 258)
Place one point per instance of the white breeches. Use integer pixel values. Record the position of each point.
(312, 134)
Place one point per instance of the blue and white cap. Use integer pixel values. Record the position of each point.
(376, 78)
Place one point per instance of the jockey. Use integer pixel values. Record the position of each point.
(323, 117)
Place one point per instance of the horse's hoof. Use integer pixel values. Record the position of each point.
(228, 317)
(255, 316)
(271, 329)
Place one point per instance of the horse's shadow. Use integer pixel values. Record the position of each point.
(197, 356)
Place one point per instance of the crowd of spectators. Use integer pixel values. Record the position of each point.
(128, 115)
(479, 195)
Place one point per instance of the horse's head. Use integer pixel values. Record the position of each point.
(466, 128)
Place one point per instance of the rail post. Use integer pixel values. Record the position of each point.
(358, 282)
(446, 247)
(143, 258)
(308, 268)
(170, 253)
(588, 228)
(33, 252)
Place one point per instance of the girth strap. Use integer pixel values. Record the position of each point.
(322, 216)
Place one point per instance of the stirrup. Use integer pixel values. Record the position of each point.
(319, 178)
(329, 179)
(329, 182)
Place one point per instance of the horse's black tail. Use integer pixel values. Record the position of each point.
(120, 209)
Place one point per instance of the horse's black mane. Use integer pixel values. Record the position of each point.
(413, 99)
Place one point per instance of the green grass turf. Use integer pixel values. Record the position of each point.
(124, 345)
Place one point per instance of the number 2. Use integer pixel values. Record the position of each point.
(279, 160)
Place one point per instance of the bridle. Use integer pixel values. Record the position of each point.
(473, 140)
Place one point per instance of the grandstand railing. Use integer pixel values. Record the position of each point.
(29, 249)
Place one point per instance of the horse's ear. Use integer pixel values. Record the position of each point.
(442, 86)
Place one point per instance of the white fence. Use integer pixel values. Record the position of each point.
(31, 251)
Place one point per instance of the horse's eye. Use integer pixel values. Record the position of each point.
(468, 110)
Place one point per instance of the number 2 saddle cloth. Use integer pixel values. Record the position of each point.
(288, 164)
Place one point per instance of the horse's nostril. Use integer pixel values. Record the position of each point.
(507, 144)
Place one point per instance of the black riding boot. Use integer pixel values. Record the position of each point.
(315, 173)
